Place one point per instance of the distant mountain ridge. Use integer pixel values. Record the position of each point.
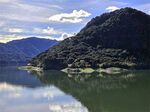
(117, 39)
(21, 51)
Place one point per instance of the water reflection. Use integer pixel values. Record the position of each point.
(54, 91)
(22, 92)
(14, 76)
(127, 92)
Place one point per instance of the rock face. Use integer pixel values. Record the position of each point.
(21, 51)
(116, 39)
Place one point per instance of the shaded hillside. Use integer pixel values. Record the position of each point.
(120, 38)
(20, 51)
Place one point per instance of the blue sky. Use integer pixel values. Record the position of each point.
(55, 19)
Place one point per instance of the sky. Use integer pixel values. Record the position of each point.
(55, 19)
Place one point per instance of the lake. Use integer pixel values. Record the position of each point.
(54, 91)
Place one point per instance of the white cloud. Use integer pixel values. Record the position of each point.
(17, 10)
(74, 17)
(36, 32)
(7, 38)
(15, 30)
(144, 7)
(4, 1)
(112, 8)
(62, 37)
(49, 30)
(65, 35)
(56, 6)
(2, 23)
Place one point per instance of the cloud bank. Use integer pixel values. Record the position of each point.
(65, 35)
(112, 8)
(74, 17)
(15, 30)
(49, 30)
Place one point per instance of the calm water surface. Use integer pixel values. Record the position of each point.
(54, 91)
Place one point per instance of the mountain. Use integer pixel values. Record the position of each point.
(21, 51)
(116, 39)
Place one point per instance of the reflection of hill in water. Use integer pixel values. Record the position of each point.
(13, 76)
(129, 92)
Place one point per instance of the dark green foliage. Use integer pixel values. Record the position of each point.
(20, 51)
(120, 39)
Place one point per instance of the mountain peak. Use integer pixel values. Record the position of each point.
(20, 51)
(128, 9)
(120, 38)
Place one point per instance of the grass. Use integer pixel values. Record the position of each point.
(64, 70)
(86, 70)
(101, 70)
(30, 68)
(82, 70)
(113, 70)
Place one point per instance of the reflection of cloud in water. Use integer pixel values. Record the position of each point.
(67, 107)
(14, 95)
(7, 87)
(48, 92)
(22, 99)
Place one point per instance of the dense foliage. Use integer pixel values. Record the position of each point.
(120, 38)
(20, 51)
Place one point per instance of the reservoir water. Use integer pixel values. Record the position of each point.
(54, 91)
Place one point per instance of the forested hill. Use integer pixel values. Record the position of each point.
(20, 51)
(119, 39)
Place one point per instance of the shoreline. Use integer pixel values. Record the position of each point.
(30, 68)
(110, 70)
